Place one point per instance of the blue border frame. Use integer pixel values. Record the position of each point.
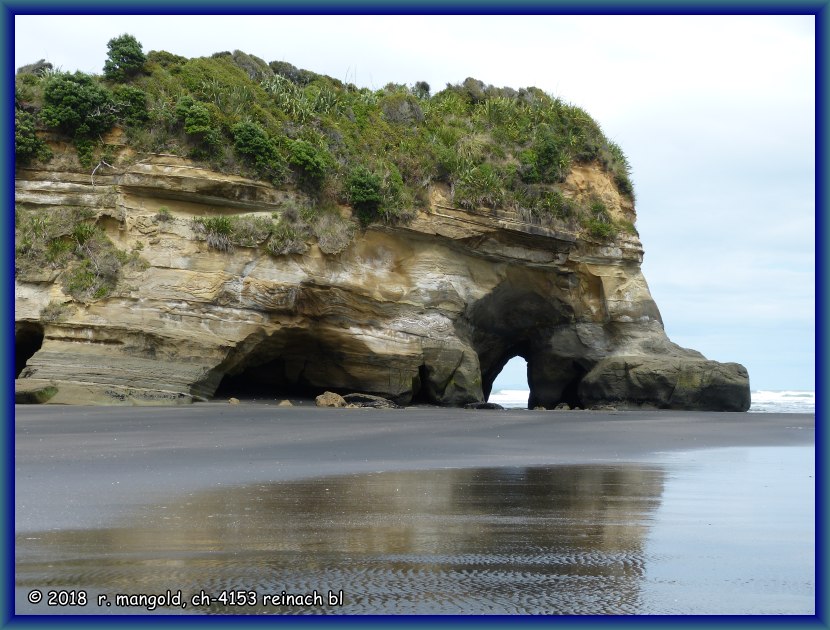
(9, 8)
(822, 177)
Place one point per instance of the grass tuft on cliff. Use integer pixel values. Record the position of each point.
(70, 243)
(376, 150)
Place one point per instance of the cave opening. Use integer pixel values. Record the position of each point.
(262, 381)
(420, 394)
(510, 388)
(295, 364)
(28, 338)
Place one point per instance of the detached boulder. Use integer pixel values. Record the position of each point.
(483, 405)
(330, 399)
(367, 400)
(666, 383)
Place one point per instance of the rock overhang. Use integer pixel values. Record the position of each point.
(426, 312)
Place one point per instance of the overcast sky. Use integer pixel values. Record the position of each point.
(715, 113)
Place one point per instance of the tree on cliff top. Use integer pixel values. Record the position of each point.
(125, 58)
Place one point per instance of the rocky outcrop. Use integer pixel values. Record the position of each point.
(668, 383)
(424, 312)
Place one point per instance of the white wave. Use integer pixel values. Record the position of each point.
(783, 401)
(510, 398)
(763, 401)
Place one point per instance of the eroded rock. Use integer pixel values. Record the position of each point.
(33, 392)
(667, 383)
(330, 399)
(483, 405)
(427, 312)
(367, 400)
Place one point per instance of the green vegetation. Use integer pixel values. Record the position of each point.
(284, 233)
(125, 58)
(378, 150)
(333, 232)
(70, 242)
(163, 214)
(254, 145)
(287, 238)
(364, 190)
(217, 231)
(77, 105)
(27, 145)
(54, 312)
(599, 222)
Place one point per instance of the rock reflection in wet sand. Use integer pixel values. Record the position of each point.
(555, 540)
(502, 540)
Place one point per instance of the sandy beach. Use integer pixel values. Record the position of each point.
(83, 466)
(413, 511)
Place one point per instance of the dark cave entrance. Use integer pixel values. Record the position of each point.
(556, 381)
(28, 338)
(274, 369)
(262, 381)
(420, 395)
(296, 363)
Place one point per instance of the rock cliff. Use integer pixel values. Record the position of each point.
(425, 311)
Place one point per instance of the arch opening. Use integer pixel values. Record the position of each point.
(28, 339)
(510, 388)
(518, 318)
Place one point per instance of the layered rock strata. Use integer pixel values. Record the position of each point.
(427, 312)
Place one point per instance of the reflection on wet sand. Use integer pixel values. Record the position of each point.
(556, 540)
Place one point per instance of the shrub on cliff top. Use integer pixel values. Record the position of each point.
(254, 144)
(364, 190)
(125, 58)
(310, 162)
(77, 105)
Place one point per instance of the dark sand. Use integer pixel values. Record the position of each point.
(86, 467)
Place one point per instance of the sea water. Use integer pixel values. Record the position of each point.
(763, 401)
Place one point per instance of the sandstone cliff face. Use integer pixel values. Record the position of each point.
(426, 312)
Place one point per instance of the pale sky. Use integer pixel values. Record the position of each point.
(715, 113)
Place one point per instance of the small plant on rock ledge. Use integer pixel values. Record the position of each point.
(216, 231)
(599, 222)
(54, 312)
(286, 239)
(163, 214)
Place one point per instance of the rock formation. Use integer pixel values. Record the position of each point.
(427, 311)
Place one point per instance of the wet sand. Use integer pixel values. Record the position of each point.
(413, 511)
(86, 467)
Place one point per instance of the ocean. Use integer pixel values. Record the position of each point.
(763, 401)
